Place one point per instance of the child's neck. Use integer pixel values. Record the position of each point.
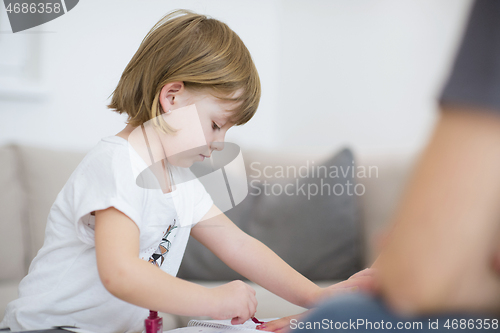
(125, 133)
(161, 173)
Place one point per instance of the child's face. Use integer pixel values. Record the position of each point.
(202, 121)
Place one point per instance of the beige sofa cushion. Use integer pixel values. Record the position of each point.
(12, 199)
(314, 226)
(45, 171)
(8, 293)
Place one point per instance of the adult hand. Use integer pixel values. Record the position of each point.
(281, 325)
(365, 280)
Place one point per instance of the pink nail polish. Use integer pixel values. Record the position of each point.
(153, 323)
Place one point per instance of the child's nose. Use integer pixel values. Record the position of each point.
(217, 145)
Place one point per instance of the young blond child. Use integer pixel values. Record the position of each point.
(113, 248)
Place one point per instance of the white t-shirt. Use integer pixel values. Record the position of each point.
(63, 286)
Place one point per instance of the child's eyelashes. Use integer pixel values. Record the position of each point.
(215, 126)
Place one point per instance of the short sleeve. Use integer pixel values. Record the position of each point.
(475, 77)
(202, 200)
(105, 179)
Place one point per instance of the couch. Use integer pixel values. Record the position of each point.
(31, 177)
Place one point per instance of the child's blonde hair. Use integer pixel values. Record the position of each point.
(203, 53)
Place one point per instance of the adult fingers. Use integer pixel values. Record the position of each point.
(278, 325)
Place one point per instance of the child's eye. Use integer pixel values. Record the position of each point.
(215, 126)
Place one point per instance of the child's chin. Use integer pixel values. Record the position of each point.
(184, 163)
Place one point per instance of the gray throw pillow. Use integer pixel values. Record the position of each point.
(318, 235)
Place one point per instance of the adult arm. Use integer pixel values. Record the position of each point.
(440, 252)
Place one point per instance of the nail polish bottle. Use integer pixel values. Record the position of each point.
(153, 323)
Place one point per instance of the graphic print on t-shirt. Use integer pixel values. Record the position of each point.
(158, 257)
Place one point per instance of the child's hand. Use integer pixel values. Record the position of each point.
(364, 280)
(235, 300)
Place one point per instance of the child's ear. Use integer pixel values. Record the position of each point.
(168, 94)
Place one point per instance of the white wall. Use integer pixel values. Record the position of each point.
(364, 73)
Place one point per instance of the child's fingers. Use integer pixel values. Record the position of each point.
(241, 319)
(252, 308)
(252, 302)
(253, 299)
(251, 289)
(237, 321)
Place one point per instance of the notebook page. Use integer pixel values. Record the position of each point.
(226, 324)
